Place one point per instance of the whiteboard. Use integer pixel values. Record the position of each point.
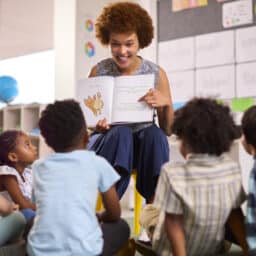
(182, 85)
(217, 82)
(215, 49)
(246, 44)
(246, 79)
(177, 55)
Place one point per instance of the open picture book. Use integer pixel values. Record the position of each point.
(115, 98)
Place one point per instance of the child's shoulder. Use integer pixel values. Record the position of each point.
(7, 170)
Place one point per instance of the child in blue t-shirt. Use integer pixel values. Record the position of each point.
(249, 143)
(66, 186)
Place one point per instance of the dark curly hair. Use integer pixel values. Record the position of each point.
(205, 126)
(249, 125)
(8, 142)
(123, 17)
(62, 124)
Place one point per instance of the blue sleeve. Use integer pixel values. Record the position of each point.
(108, 176)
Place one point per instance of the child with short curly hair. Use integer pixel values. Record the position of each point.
(196, 198)
(66, 187)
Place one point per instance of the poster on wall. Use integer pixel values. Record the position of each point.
(215, 49)
(89, 50)
(237, 13)
(182, 85)
(177, 55)
(246, 79)
(246, 44)
(217, 82)
(178, 5)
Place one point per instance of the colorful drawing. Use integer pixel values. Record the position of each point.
(89, 25)
(179, 5)
(94, 103)
(89, 49)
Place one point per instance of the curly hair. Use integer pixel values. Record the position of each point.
(123, 17)
(8, 142)
(62, 124)
(249, 125)
(206, 126)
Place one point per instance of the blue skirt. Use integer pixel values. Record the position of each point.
(145, 150)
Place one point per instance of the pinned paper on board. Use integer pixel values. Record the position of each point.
(178, 5)
(242, 104)
(237, 13)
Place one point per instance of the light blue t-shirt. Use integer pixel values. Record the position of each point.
(65, 190)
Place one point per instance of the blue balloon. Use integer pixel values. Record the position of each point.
(8, 89)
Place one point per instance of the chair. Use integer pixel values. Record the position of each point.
(137, 205)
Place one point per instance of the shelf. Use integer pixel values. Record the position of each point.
(25, 118)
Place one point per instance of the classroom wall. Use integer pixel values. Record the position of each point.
(211, 50)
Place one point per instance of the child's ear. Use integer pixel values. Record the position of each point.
(12, 157)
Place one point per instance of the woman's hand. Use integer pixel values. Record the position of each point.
(155, 99)
(102, 125)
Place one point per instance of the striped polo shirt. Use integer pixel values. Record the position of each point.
(204, 190)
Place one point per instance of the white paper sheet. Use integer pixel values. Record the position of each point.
(182, 85)
(218, 82)
(177, 55)
(246, 79)
(237, 13)
(215, 49)
(246, 44)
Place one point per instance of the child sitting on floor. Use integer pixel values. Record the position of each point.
(17, 153)
(196, 198)
(12, 222)
(249, 143)
(66, 187)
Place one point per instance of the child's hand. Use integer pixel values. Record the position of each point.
(15, 207)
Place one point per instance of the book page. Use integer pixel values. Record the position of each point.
(95, 96)
(128, 89)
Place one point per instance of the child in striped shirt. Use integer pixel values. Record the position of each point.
(197, 197)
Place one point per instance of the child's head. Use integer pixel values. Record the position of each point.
(205, 127)
(16, 148)
(63, 126)
(248, 129)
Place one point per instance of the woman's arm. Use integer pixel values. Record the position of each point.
(111, 204)
(160, 98)
(11, 185)
(165, 109)
(175, 234)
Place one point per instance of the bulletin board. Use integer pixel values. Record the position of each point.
(192, 21)
(209, 50)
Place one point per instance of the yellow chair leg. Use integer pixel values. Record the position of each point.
(99, 204)
(137, 207)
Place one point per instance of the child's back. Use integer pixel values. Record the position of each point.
(204, 190)
(66, 193)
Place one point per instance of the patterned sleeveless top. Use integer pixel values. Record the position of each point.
(108, 67)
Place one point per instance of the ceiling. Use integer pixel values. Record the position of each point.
(25, 27)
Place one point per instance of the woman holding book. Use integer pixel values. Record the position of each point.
(126, 27)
